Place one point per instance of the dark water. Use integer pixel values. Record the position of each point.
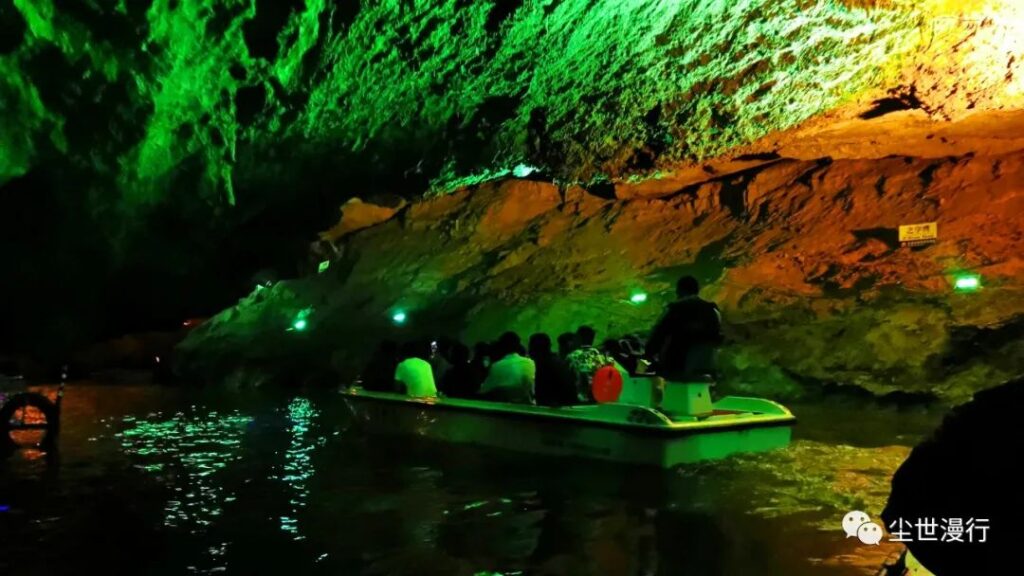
(151, 480)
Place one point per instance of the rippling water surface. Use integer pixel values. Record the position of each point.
(151, 480)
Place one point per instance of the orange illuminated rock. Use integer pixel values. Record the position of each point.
(802, 255)
(357, 214)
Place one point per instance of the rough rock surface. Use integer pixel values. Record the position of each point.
(802, 255)
(177, 146)
(232, 96)
(356, 215)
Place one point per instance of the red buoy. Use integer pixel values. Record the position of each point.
(607, 384)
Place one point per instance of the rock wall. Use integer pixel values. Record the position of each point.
(178, 146)
(802, 255)
(231, 97)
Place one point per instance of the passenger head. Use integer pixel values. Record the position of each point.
(458, 353)
(416, 349)
(444, 346)
(611, 346)
(585, 336)
(540, 345)
(508, 343)
(631, 345)
(481, 352)
(566, 344)
(687, 286)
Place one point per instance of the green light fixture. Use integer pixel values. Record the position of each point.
(300, 322)
(638, 297)
(323, 266)
(398, 317)
(967, 282)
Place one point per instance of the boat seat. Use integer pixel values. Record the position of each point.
(689, 398)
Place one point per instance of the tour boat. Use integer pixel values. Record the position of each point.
(649, 423)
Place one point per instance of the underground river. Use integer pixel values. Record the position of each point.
(179, 480)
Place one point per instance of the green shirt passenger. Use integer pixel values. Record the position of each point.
(512, 377)
(414, 374)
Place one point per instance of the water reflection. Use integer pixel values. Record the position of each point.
(809, 477)
(185, 453)
(298, 466)
(394, 506)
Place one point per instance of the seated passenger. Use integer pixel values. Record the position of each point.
(413, 374)
(480, 364)
(584, 361)
(553, 385)
(379, 374)
(566, 344)
(439, 361)
(630, 352)
(511, 377)
(459, 381)
(613, 350)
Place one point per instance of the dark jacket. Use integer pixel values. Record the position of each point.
(685, 338)
(460, 381)
(554, 385)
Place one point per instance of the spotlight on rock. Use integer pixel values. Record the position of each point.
(301, 322)
(967, 282)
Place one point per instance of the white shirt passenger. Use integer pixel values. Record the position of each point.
(418, 378)
(513, 372)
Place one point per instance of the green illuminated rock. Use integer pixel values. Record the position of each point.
(142, 91)
(169, 143)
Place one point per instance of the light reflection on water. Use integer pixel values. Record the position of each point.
(262, 483)
(298, 466)
(186, 452)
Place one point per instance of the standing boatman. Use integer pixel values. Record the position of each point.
(684, 340)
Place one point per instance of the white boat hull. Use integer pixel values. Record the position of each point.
(614, 432)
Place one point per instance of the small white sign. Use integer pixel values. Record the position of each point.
(919, 233)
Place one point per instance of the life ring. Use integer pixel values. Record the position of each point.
(22, 401)
(606, 386)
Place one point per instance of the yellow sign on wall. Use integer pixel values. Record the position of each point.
(919, 233)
